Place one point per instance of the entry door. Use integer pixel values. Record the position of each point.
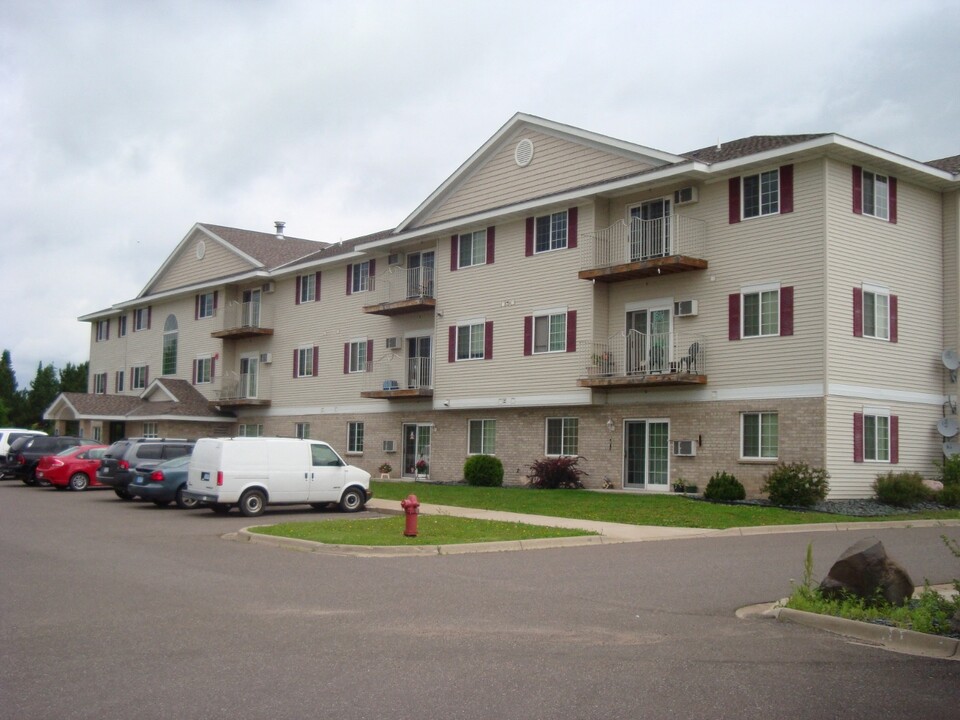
(650, 230)
(420, 269)
(418, 362)
(646, 454)
(648, 340)
(116, 431)
(249, 376)
(416, 447)
(250, 316)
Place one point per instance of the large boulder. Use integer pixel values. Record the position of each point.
(866, 571)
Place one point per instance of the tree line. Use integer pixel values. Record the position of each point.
(24, 408)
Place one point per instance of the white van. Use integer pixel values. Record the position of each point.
(252, 472)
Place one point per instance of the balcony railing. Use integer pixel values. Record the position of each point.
(641, 248)
(246, 319)
(633, 359)
(404, 290)
(396, 377)
(237, 389)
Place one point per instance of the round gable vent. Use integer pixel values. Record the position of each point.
(524, 152)
(201, 249)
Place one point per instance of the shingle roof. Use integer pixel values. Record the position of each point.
(343, 247)
(101, 405)
(746, 146)
(950, 164)
(189, 403)
(267, 248)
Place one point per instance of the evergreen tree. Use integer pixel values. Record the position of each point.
(8, 390)
(43, 390)
(73, 378)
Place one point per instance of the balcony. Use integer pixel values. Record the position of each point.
(398, 378)
(634, 359)
(245, 320)
(404, 290)
(243, 390)
(644, 248)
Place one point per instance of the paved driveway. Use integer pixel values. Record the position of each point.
(122, 610)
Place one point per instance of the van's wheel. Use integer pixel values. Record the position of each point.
(79, 481)
(219, 508)
(185, 502)
(352, 501)
(122, 493)
(252, 503)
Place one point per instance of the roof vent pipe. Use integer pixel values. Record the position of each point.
(280, 225)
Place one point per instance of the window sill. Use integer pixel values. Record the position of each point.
(758, 461)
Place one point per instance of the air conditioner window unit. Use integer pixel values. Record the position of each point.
(266, 358)
(686, 195)
(684, 448)
(389, 446)
(685, 308)
(395, 258)
(269, 287)
(393, 343)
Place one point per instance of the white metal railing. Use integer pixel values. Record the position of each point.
(401, 283)
(639, 240)
(244, 386)
(634, 353)
(256, 314)
(394, 372)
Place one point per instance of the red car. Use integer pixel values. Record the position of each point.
(74, 468)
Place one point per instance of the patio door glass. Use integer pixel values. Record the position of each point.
(250, 312)
(249, 371)
(650, 230)
(646, 454)
(420, 269)
(416, 447)
(648, 340)
(418, 362)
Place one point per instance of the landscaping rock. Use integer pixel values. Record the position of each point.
(933, 485)
(866, 571)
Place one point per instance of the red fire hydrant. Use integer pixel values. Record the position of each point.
(411, 507)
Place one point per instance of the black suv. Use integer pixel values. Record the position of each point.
(120, 459)
(23, 458)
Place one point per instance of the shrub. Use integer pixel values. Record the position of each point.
(724, 488)
(901, 489)
(949, 496)
(483, 470)
(796, 484)
(556, 472)
(949, 470)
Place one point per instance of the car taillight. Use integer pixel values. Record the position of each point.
(156, 476)
(56, 463)
(123, 465)
(219, 478)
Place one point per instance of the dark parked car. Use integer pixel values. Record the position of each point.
(22, 459)
(163, 484)
(117, 469)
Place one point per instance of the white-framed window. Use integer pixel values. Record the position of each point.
(308, 288)
(150, 430)
(876, 312)
(250, 430)
(141, 319)
(354, 437)
(562, 436)
(761, 194)
(876, 195)
(360, 279)
(204, 370)
(470, 340)
(358, 356)
(170, 339)
(138, 377)
(550, 332)
(103, 330)
(100, 383)
(760, 311)
(482, 437)
(876, 435)
(759, 436)
(550, 232)
(206, 305)
(302, 430)
(305, 362)
(122, 326)
(472, 249)
(97, 433)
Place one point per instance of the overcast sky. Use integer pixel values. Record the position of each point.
(122, 123)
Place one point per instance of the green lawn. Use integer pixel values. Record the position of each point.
(432, 530)
(668, 510)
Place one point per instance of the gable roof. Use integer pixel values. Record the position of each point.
(179, 399)
(950, 164)
(743, 147)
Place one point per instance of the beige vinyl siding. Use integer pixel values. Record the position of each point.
(557, 164)
(906, 258)
(186, 269)
(951, 279)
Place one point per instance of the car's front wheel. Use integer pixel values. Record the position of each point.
(352, 500)
(79, 481)
(253, 503)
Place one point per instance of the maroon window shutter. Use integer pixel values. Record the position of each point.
(733, 317)
(196, 307)
(786, 311)
(454, 252)
(316, 287)
(858, 190)
(858, 312)
(892, 186)
(213, 368)
(733, 199)
(296, 361)
(316, 360)
(369, 352)
(349, 279)
(452, 344)
(571, 330)
(572, 227)
(296, 299)
(893, 318)
(194, 372)
(149, 315)
(858, 437)
(786, 189)
(488, 340)
(528, 335)
(528, 249)
(894, 439)
(491, 235)
(346, 358)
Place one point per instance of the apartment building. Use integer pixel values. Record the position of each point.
(771, 299)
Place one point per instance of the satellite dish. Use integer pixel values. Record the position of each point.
(948, 427)
(951, 360)
(951, 449)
